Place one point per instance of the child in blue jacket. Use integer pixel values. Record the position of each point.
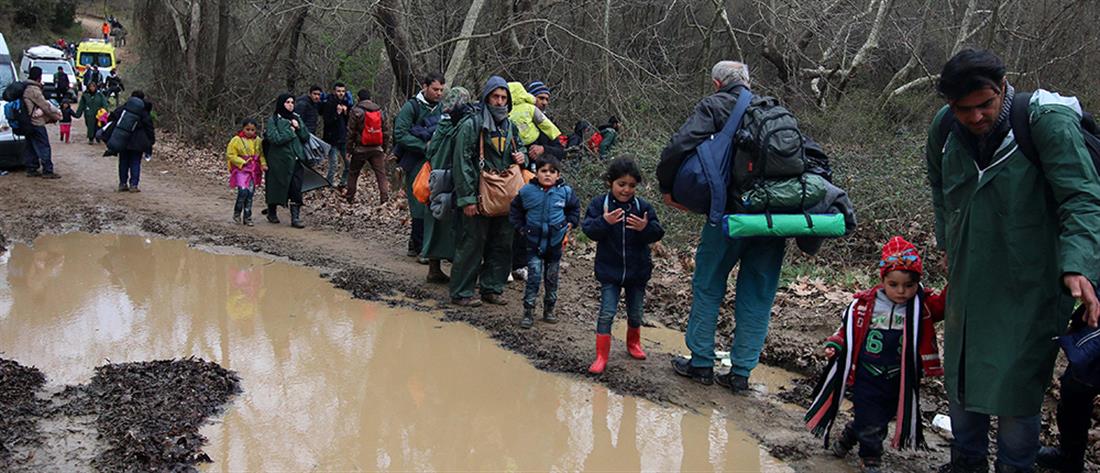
(625, 226)
(543, 212)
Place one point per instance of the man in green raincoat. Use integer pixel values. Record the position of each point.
(91, 101)
(439, 234)
(483, 257)
(1022, 240)
(412, 128)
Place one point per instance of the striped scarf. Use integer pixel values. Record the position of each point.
(832, 385)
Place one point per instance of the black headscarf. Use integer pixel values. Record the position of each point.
(280, 110)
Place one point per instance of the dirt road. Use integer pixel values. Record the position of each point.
(366, 257)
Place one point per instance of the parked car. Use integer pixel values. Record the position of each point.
(11, 146)
(49, 59)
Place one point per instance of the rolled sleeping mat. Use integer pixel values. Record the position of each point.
(783, 225)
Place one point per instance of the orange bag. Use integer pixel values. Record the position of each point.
(421, 190)
(527, 175)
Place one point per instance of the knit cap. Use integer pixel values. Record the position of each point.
(537, 87)
(899, 254)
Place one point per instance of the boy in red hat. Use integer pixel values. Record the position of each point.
(884, 345)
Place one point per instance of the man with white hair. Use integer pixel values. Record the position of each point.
(717, 254)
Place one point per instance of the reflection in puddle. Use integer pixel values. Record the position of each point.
(331, 383)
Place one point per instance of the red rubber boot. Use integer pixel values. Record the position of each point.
(603, 351)
(634, 342)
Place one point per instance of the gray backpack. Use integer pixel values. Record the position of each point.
(769, 144)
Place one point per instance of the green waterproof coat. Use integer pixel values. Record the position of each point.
(1011, 232)
(284, 152)
(439, 235)
(87, 107)
(498, 155)
(414, 112)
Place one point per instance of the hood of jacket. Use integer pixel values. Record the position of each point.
(496, 82)
(368, 105)
(519, 94)
(134, 105)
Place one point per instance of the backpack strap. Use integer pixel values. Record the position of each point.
(744, 97)
(1021, 127)
(947, 124)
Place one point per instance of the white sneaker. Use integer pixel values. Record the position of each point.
(520, 274)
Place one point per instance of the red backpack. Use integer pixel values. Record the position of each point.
(372, 128)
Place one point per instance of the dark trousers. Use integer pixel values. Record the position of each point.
(294, 192)
(244, 202)
(416, 237)
(875, 402)
(36, 151)
(542, 270)
(377, 161)
(1075, 419)
(519, 251)
(129, 168)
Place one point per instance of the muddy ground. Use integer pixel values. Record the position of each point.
(361, 249)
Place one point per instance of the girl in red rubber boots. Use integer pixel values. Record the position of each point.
(624, 226)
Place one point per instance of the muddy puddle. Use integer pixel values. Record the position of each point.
(331, 383)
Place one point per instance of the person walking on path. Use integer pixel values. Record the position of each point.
(245, 158)
(61, 84)
(36, 152)
(623, 225)
(760, 258)
(873, 356)
(66, 123)
(91, 102)
(139, 144)
(106, 29)
(544, 212)
(486, 141)
(1022, 240)
(308, 108)
(413, 127)
(334, 111)
(439, 233)
(285, 133)
(367, 153)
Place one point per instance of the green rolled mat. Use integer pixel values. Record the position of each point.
(784, 225)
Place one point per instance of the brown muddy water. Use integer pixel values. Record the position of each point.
(332, 383)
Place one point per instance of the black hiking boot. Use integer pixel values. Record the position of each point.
(1052, 458)
(528, 320)
(273, 213)
(734, 382)
(548, 314)
(962, 464)
(495, 299)
(999, 467)
(435, 273)
(701, 375)
(872, 465)
(295, 216)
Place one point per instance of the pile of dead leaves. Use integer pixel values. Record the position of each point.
(18, 408)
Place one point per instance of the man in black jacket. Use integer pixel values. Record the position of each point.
(308, 107)
(138, 144)
(760, 258)
(335, 113)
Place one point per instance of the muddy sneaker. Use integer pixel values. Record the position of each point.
(548, 314)
(422, 260)
(466, 302)
(839, 448)
(123, 188)
(237, 218)
(135, 189)
(50, 175)
(528, 319)
(872, 465)
(248, 221)
(701, 375)
(734, 382)
(495, 299)
(520, 274)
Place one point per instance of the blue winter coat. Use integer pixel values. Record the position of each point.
(622, 255)
(544, 215)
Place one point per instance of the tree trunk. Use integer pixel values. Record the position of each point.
(292, 59)
(607, 53)
(277, 46)
(219, 53)
(458, 56)
(388, 15)
(192, 52)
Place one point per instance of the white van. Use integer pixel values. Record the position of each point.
(11, 146)
(49, 58)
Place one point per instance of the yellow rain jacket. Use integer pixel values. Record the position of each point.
(527, 117)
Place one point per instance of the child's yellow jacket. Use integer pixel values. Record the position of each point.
(528, 118)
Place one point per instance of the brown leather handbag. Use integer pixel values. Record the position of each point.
(496, 189)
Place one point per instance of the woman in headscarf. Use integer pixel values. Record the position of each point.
(439, 234)
(284, 134)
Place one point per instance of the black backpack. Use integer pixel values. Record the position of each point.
(769, 144)
(15, 110)
(1021, 129)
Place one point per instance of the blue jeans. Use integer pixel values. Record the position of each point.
(129, 168)
(757, 281)
(609, 305)
(36, 151)
(1017, 437)
(336, 153)
(540, 269)
(244, 201)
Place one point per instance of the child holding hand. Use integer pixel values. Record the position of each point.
(624, 226)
